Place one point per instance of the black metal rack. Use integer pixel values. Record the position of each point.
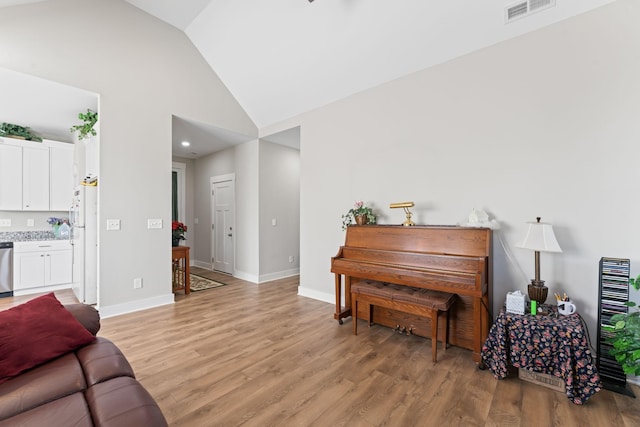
(613, 293)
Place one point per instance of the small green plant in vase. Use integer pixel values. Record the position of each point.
(360, 214)
(85, 130)
(625, 336)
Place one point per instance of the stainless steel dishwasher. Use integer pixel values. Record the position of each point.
(6, 269)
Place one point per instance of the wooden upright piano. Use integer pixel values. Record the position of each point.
(444, 258)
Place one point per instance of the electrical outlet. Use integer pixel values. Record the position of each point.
(30, 222)
(154, 223)
(274, 222)
(291, 258)
(137, 283)
(113, 224)
(5, 222)
(196, 220)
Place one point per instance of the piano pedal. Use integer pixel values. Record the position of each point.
(402, 330)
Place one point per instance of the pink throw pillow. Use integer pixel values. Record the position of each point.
(35, 332)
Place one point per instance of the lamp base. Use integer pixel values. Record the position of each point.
(538, 291)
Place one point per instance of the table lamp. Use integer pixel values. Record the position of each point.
(405, 206)
(539, 238)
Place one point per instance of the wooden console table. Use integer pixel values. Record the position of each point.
(180, 279)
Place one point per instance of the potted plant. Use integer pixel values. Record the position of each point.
(625, 336)
(177, 232)
(360, 214)
(89, 119)
(20, 132)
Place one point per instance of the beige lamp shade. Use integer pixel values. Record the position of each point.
(540, 238)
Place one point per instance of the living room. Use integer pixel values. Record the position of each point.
(543, 124)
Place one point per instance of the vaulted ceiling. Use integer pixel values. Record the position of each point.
(280, 58)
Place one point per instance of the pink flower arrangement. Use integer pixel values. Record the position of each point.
(359, 209)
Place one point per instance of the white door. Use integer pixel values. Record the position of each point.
(222, 227)
(61, 174)
(59, 268)
(10, 176)
(78, 262)
(35, 178)
(28, 270)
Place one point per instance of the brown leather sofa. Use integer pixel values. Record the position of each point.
(93, 385)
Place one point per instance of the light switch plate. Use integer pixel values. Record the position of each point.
(30, 222)
(113, 224)
(5, 222)
(154, 223)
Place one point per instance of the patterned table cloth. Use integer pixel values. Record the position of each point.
(550, 344)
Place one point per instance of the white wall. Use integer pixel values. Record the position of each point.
(220, 163)
(145, 71)
(19, 220)
(241, 160)
(279, 201)
(267, 187)
(247, 211)
(542, 125)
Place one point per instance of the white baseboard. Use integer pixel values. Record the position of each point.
(201, 264)
(246, 276)
(238, 274)
(279, 275)
(251, 277)
(40, 290)
(130, 307)
(321, 296)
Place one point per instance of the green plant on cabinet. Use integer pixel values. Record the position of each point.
(11, 130)
(85, 130)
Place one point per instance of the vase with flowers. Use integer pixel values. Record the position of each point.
(56, 223)
(177, 232)
(360, 214)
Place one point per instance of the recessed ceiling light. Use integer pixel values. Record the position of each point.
(185, 143)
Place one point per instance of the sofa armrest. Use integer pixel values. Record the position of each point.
(86, 315)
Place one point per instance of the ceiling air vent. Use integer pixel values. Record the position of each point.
(525, 7)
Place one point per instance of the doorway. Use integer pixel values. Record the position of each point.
(223, 223)
(178, 188)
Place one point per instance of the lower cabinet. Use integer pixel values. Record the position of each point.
(41, 266)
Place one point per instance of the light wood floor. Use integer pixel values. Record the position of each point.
(259, 355)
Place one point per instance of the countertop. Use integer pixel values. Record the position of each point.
(28, 236)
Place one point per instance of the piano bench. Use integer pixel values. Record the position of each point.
(407, 299)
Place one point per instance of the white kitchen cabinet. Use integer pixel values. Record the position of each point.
(41, 266)
(61, 174)
(35, 178)
(10, 175)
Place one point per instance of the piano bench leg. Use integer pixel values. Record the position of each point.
(434, 335)
(354, 313)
